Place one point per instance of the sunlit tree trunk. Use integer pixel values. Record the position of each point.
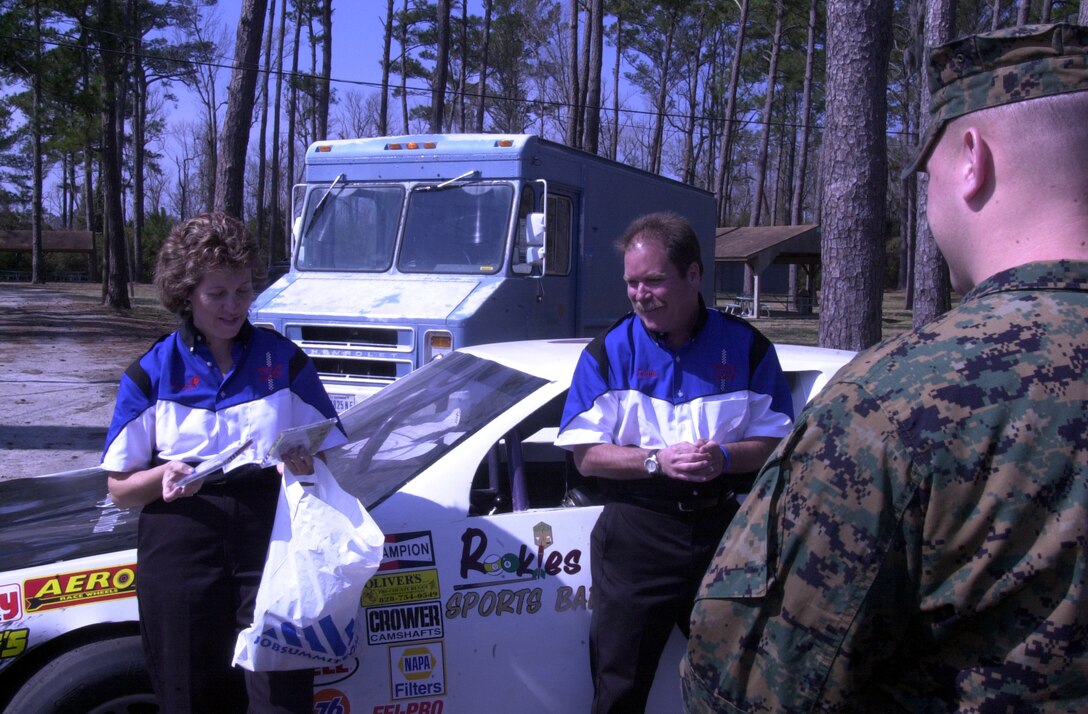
(855, 172)
(441, 69)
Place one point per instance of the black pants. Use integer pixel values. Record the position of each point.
(198, 568)
(646, 566)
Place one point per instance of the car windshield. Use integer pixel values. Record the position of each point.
(412, 423)
(348, 227)
(456, 228)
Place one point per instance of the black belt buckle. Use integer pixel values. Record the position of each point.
(702, 504)
(694, 506)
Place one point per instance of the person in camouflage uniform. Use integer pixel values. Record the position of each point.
(920, 540)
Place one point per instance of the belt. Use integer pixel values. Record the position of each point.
(244, 473)
(684, 506)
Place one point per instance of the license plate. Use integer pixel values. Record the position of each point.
(342, 402)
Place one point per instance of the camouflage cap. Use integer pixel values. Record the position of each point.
(1002, 67)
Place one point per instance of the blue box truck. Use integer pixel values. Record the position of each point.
(405, 248)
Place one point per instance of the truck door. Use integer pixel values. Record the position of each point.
(553, 309)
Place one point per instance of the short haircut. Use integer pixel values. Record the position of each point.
(209, 241)
(673, 232)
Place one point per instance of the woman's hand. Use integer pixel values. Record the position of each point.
(299, 460)
(176, 471)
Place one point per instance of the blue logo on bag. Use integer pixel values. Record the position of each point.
(324, 638)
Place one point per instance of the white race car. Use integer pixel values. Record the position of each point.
(482, 601)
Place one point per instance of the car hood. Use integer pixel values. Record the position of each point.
(382, 297)
(61, 517)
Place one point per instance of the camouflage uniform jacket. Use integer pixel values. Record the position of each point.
(918, 542)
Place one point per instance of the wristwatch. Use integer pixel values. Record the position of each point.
(652, 466)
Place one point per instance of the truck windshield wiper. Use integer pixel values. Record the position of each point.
(455, 179)
(321, 203)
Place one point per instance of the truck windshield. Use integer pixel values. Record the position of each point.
(354, 229)
(456, 229)
(408, 426)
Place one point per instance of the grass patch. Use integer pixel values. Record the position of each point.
(791, 328)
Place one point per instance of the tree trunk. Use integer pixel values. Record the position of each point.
(725, 156)
(768, 106)
(932, 286)
(387, 47)
(323, 96)
(230, 177)
(462, 76)
(481, 106)
(574, 114)
(691, 120)
(37, 258)
(292, 119)
(593, 73)
(404, 66)
(1083, 16)
(614, 146)
(797, 203)
(441, 69)
(274, 191)
(139, 141)
(855, 173)
(116, 290)
(657, 144)
(262, 135)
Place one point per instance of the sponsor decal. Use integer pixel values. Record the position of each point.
(334, 673)
(13, 642)
(417, 670)
(11, 602)
(404, 623)
(391, 588)
(407, 550)
(432, 707)
(80, 587)
(331, 701)
(526, 601)
(526, 564)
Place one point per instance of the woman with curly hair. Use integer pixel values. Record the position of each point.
(216, 381)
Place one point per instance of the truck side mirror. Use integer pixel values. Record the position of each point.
(296, 227)
(535, 227)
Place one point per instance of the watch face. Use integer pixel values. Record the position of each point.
(651, 463)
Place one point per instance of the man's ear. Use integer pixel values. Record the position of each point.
(695, 275)
(976, 163)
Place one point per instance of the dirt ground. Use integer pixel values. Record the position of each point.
(61, 355)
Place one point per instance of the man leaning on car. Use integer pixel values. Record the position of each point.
(663, 408)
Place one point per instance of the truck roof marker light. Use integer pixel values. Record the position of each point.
(504, 143)
(393, 147)
(323, 148)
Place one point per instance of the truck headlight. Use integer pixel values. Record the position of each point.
(436, 344)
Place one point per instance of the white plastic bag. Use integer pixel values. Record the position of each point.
(324, 548)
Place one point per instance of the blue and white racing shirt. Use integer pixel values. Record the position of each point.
(630, 389)
(174, 404)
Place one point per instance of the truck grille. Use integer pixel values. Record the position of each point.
(353, 336)
(358, 368)
(356, 353)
